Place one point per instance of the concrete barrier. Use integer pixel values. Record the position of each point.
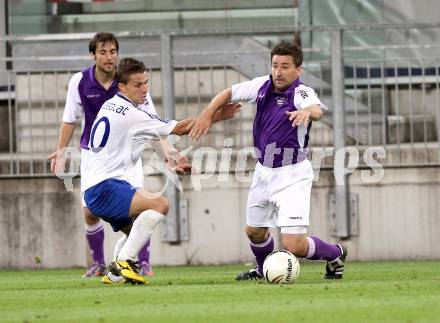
(398, 219)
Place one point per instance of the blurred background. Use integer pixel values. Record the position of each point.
(375, 64)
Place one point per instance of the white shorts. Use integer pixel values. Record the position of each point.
(135, 174)
(280, 197)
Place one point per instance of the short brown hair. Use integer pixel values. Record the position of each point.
(127, 67)
(102, 38)
(284, 48)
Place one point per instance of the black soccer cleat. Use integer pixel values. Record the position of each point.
(251, 274)
(335, 268)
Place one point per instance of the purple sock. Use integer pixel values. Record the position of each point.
(321, 250)
(144, 254)
(261, 250)
(95, 238)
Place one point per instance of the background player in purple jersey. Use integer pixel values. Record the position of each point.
(280, 192)
(87, 91)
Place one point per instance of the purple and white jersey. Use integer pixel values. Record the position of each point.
(85, 95)
(277, 143)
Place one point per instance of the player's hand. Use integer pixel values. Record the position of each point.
(201, 125)
(227, 112)
(178, 163)
(299, 117)
(57, 161)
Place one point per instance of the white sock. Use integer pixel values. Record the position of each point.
(312, 248)
(141, 231)
(94, 227)
(118, 246)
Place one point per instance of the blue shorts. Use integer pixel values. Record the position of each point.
(111, 200)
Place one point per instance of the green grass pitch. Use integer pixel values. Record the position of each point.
(369, 292)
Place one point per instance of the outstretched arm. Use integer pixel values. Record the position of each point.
(183, 127)
(224, 112)
(205, 120)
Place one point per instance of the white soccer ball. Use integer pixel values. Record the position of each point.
(281, 267)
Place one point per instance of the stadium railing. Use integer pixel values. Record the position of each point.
(391, 102)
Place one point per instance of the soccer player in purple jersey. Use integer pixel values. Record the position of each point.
(280, 192)
(87, 91)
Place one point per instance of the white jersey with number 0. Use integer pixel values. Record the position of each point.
(117, 139)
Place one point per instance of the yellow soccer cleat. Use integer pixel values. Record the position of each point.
(130, 270)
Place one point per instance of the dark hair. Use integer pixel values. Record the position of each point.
(284, 48)
(127, 67)
(102, 38)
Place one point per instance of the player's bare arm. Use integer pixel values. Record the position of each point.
(66, 133)
(303, 116)
(226, 112)
(178, 162)
(205, 119)
(214, 113)
(183, 127)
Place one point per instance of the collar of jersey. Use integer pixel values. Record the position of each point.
(95, 82)
(126, 99)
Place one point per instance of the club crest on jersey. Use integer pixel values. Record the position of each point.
(280, 100)
(303, 93)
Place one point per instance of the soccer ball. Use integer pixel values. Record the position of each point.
(280, 267)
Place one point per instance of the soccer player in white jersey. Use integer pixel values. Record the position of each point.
(117, 137)
(280, 192)
(86, 93)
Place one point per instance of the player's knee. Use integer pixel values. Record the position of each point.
(89, 217)
(298, 247)
(162, 205)
(257, 235)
